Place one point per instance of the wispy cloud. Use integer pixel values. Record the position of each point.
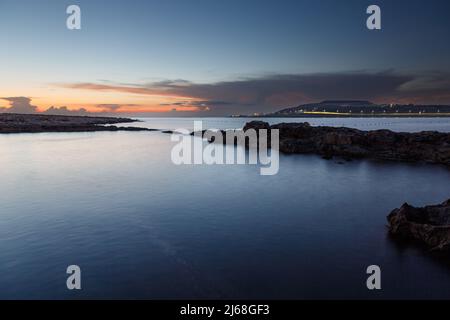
(114, 107)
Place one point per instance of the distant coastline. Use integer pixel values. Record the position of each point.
(357, 109)
(35, 123)
(348, 115)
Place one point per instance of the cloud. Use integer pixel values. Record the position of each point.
(18, 105)
(23, 105)
(271, 92)
(196, 105)
(260, 94)
(114, 107)
(64, 111)
(434, 82)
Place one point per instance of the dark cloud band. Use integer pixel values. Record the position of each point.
(267, 93)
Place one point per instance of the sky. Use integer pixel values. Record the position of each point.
(217, 58)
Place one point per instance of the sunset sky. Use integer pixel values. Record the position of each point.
(208, 57)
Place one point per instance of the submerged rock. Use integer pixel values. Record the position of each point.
(429, 225)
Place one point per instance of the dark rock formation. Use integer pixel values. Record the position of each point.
(31, 123)
(257, 125)
(429, 225)
(426, 146)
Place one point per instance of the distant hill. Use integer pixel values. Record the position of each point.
(346, 102)
(361, 107)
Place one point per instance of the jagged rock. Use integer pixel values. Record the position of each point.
(429, 225)
(426, 146)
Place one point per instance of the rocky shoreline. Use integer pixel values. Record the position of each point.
(34, 123)
(348, 143)
(429, 225)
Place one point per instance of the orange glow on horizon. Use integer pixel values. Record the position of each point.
(126, 109)
(101, 102)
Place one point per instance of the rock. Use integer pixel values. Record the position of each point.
(348, 143)
(31, 123)
(256, 125)
(429, 225)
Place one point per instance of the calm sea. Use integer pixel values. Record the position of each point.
(141, 227)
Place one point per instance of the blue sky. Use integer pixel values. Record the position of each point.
(135, 44)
